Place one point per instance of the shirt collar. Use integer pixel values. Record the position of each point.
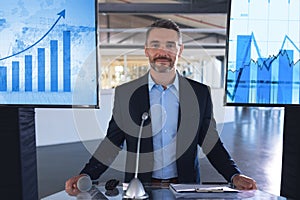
(151, 82)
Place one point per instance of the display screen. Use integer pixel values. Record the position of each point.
(263, 53)
(48, 53)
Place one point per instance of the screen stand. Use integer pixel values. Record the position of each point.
(291, 153)
(18, 154)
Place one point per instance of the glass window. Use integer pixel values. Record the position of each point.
(122, 38)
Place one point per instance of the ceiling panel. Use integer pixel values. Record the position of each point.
(206, 29)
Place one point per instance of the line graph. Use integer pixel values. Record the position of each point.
(264, 71)
(240, 78)
(41, 57)
(48, 53)
(61, 14)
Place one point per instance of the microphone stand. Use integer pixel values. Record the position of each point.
(135, 189)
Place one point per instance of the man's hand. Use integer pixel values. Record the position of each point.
(71, 185)
(242, 182)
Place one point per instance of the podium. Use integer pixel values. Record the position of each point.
(158, 193)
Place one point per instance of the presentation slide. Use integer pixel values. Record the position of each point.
(48, 53)
(263, 52)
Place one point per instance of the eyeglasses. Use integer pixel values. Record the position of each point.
(170, 45)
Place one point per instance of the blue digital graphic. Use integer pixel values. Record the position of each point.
(48, 53)
(263, 52)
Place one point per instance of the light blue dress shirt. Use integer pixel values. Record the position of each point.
(164, 107)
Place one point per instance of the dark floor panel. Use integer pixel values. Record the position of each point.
(254, 141)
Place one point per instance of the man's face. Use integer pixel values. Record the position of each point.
(163, 49)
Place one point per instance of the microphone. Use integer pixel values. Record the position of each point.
(135, 189)
(87, 190)
(144, 118)
(84, 183)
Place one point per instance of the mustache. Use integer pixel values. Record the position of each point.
(162, 57)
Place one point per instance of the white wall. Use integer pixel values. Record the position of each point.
(57, 126)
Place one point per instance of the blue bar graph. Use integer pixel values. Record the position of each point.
(28, 73)
(40, 65)
(15, 76)
(263, 92)
(67, 60)
(272, 76)
(3, 78)
(263, 53)
(242, 59)
(285, 76)
(43, 52)
(41, 69)
(54, 65)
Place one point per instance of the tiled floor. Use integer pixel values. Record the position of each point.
(254, 141)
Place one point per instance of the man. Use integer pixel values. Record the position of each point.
(181, 118)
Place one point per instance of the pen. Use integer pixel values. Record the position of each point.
(219, 189)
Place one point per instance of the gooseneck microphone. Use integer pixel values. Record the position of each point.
(144, 118)
(135, 189)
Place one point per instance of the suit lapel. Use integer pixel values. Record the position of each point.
(188, 121)
(188, 115)
(139, 103)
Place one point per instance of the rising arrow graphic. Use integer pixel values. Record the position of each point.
(61, 14)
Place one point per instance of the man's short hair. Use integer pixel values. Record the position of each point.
(165, 23)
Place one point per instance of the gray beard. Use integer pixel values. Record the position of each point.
(159, 70)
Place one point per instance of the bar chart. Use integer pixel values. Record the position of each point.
(263, 53)
(53, 48)
(41, 69)
(275, 75)
(48, 57)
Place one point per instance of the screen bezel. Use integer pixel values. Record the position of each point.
(226, 73)
(97, 87)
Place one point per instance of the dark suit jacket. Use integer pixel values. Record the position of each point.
(196, 126)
